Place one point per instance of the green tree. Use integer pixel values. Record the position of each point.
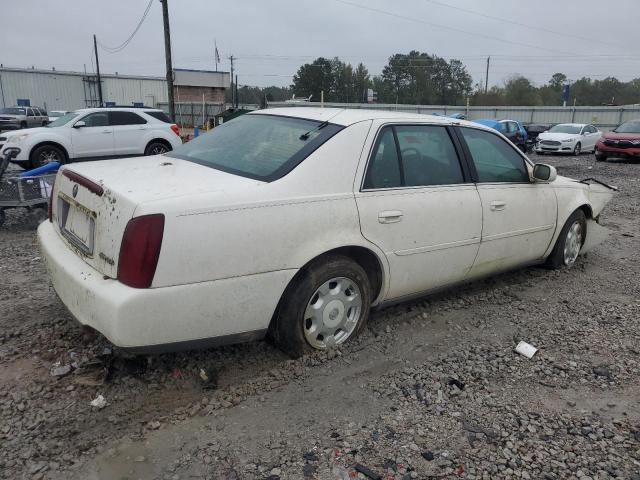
(313, 78)
(519, 90)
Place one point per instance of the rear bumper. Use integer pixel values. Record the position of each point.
(166, 318)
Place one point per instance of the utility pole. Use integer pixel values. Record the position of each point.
(95, 48)
(167, 56)
(233, 93)
(486, 78)
(236, 90)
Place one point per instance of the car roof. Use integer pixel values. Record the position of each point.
(572, 124)
(349, 116)
(118, 109)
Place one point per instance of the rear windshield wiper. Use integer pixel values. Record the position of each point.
(305, 136)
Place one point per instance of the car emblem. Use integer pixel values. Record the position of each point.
(74, 192)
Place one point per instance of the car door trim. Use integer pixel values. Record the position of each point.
(516, 233)
(440, 246)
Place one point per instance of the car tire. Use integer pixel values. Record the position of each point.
(2, 217)
(341, 313)
(577, 150)
(569, 242)
(156, 148)
(23, 125)
(45, 154)
(600, 157)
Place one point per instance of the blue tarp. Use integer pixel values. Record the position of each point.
(488, 122)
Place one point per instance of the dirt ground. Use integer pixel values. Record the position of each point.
(433, 389)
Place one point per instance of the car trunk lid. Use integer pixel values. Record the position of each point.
(93, 202)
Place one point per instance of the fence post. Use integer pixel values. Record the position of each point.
(193, 118)
(573, 114)
(533, 109)
(620, 116)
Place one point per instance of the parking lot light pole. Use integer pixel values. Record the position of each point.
(167, 55)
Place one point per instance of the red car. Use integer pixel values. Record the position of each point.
(623, 141)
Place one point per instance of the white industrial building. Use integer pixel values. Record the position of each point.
(60, 90)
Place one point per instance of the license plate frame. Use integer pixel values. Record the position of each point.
(77, 224)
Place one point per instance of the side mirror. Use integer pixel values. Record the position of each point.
(79, 124)
(544, 173)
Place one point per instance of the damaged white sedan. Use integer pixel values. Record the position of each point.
(296, 221)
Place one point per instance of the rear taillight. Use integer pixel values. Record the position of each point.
(50, 206)
(175, 129)
(140, 250)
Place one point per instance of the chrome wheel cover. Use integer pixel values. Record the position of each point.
(332, 313)
(573, 243)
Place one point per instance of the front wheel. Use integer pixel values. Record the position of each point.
(577, 149)
(326, 306)
(46, 154)
(600, 157)
(570, 241)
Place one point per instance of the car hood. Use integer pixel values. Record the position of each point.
(599, 195)
(158, 177)
(10, 116)
(30, 131)
(621, 136)
(557, 136)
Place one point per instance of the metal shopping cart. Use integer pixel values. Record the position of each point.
(30, 192)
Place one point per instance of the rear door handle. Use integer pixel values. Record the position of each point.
(390, 216)
(498, 205)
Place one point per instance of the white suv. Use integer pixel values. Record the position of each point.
(94, 133)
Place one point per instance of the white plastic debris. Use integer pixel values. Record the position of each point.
(526, 349)
(99, 402)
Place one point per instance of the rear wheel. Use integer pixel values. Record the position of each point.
(2, 216)
(325, 307)
(577, 150)
(46, 154)
(156, 148)
(570, 241)
(23, 124)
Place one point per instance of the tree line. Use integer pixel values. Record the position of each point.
(425, 79)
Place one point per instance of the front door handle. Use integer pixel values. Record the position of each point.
(106, 131)
(390, 216)
(498, 205)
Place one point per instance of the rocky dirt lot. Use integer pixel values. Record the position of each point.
(433, 389)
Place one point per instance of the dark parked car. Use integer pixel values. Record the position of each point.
(535, 129)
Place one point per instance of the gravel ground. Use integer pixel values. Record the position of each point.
(433, 389)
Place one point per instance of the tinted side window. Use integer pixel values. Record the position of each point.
(384, 168)
(30, 112)
(428, 156)
(159, 116)
(98, 119)
(495, 160)
(125, 118)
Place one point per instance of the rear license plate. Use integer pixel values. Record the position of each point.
(77, 224)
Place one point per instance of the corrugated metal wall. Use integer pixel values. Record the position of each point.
(67, 90)
(603, 117)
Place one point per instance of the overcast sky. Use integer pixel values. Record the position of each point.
(271, 38)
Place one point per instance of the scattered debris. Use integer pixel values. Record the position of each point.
(602, 370)
(99, 402)
(153, 425)
(454, 381)
(526, 349)
(428, 456)
(367, 472)
(60, 370)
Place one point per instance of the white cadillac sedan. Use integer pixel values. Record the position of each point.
(295, 222)
(573, 138)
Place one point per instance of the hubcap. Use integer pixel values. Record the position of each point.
(49, 156)
(332, 313)
(573, 243)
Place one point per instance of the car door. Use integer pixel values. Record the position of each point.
(416, 203)
(31, 117)
(95, 138)
(591, 137)
(129, 132)
(519, 216)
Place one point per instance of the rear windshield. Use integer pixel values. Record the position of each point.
(159, 116)
(629, 127)
(565, 129)
(263, 147)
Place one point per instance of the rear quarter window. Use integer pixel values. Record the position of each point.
(163, 117)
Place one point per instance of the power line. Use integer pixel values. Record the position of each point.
(520, 24)
(446, 27)
(124, 44)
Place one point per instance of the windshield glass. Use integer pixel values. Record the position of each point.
(13, 111)
(263, 147)
(58, 122)
(565, 129)
(56, 113)
(629, 127)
